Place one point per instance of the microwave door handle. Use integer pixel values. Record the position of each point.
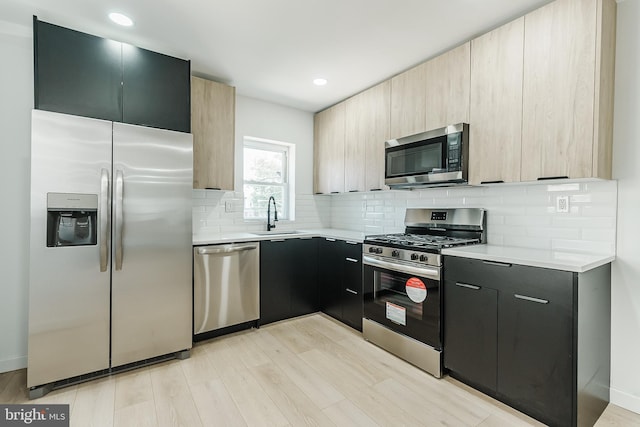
(119, 220)
(104, 219)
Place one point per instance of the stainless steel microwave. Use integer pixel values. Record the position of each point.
(435, 158)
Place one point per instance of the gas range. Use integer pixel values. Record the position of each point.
(402, 282)
(428, 231)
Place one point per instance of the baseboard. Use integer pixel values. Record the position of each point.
(625, 400)
(13, 364)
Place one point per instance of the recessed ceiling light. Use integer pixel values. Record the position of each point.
(121, 19)
(319, 82)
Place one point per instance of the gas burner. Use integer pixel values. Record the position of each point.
(420, 240)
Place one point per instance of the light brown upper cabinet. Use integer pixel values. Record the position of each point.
(367, 128)
(329, 150)
(496, 105)
(569, 52)
(213, 126)
(408, 102)
(447, 88)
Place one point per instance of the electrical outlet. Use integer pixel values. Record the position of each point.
(562, 204)
(228, 206)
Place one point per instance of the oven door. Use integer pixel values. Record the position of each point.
(404, 298)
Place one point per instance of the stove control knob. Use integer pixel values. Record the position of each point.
(372, 250)
(395, 254)
(378, 250)
(424, 258)
(414, 257)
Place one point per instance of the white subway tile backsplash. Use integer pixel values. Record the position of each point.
(508, 230)
(527, 242)
(521, 215)
(598, 234)
(608, 210)
(583, 222)
(585, 246)
(554, 233)
(528, 221)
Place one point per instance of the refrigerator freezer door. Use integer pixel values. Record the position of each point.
(68, 292)
(151, 285)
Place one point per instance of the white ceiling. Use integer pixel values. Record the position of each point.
(273, 49)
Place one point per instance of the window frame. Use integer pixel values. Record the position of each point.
(286, 211)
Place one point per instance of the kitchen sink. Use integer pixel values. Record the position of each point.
(270, 233)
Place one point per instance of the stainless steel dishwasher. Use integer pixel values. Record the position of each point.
(226, 285)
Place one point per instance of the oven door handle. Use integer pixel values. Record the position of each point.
(428, 272)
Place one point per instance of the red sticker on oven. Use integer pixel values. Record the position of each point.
(416, 290)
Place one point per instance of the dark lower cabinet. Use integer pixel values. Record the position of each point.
(84, 75)
(471, 322)
(535, 347)
(340, 281)
(288, 279)
(304, 285)
(330, 257)
(535, 338)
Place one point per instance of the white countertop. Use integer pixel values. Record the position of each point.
(557, 260)
(204, 238)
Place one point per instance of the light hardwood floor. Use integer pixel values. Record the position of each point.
(305, 371)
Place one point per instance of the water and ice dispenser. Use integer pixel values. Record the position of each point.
(71, 219)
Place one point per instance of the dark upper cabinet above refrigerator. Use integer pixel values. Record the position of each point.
(84, 75)
(77, 73)
(157, 89)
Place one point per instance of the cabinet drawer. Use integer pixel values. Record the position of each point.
(526, 282)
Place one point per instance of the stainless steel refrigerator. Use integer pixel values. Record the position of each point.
(110, 246)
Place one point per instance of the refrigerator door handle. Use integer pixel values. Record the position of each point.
(119, 220)
(104, 219)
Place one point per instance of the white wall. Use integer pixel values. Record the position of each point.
(263, 119)
(625, 275)
(16, 101)
(260, 119)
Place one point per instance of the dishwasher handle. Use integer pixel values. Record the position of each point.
(225, 249)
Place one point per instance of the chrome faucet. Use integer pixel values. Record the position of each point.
(275, 214)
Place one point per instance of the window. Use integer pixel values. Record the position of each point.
(267, 172)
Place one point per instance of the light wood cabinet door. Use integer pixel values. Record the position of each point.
(495, 129)
(559, 90)
(447, 88)
(408, 102)
(329, 150)
(367, 128)
(213, 126)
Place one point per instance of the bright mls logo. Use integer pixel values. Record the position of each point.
(34, 415)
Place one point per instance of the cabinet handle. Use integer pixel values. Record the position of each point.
(213, 188)
(532, 299)
(497, 264)
(329, 239)
(225, 249)
(350, 242)
(543, 178)
(376, 189)
(335, 192)
(351, 291)
(353, 191)
(464, 285)
(277, 240)
(351, 259)
(498, 181)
